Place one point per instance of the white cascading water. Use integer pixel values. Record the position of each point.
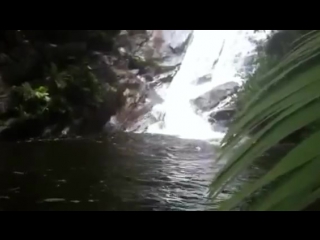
(220, 53)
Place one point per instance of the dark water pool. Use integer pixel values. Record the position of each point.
(123, 172)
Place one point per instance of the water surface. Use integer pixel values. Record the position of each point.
(123, 172)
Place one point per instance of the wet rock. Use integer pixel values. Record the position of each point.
(47, 132)
(134, 71)
(159, 49)
(222, 115)
(139, 97)
(112, 126)
(154, 97)
(101, 69)
(132, 116)
(212, 98)
(154, 56)
(130, 41)
(166, 77)
(167, 47)
(141, 124)
(203, 79)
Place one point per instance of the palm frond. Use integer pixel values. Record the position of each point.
(288, 100)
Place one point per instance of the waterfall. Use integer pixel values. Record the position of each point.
(222, 54)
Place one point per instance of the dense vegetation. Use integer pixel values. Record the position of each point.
(54, 80)
(278, 104)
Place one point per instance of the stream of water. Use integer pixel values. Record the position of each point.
(221, 53)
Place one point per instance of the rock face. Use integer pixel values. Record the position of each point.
(165, 47)
(151, 58)
(212, 98)
(145, 60)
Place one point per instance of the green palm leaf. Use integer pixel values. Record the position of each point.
(299, 156)
(269, 96)
(272, 100)
(306, 177)
(254, 148)
(287, 101)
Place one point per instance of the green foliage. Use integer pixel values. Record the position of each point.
(65, 90)
(51, 81)
(252, 84)
(102, 35)
(282, 101)
(28, 101)
(268, 55)
(78, 84)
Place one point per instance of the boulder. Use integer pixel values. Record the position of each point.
(161, 49)
(141, 124)
(154, 97)
(134, 117)
(222, 115)
(212, 98)
(203, 79)
(112, 126)
(167, 47)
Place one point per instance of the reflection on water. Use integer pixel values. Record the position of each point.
(125, 172)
